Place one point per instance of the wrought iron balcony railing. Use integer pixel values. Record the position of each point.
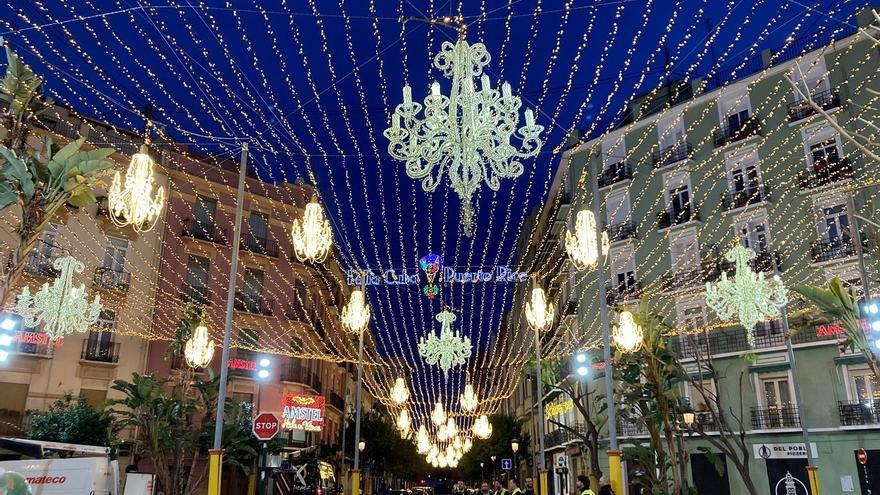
(628, 430)
(562, 436)
(769, 418)
(859, 412)
(672, 154)
(110, 279)
(336, 401)
(100, 351)
(621, 231)
(762, 262)
(614, 173)
(295, 373)
(726, 133)
(198, 294)
(670, 217)
(620, 293)
(39, 262)
(824, 250)
(255, 304)
(266, 247)
(826, 100)
(204, 231)
(734, 200)
(825, 172)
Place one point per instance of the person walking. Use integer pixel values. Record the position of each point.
(605, 486)
(583, 485)
(529, 487)
(514, 488)
(499, 488)
(484, 488)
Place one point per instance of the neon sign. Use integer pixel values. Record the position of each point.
(303, 412)
(242, 364)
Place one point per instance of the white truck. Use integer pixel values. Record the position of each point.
(84, 469)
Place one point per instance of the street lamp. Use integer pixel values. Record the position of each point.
(362, 445)
(540, 314)
(580, 364)
(514, 446)
(264, 366)
(355, 318)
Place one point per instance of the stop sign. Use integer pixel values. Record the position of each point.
(266, 426)
(862, 456)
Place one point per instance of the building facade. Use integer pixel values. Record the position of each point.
(692, 173)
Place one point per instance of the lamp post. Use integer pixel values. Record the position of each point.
(494, 466)
(355, 317)
(264, 366)
(540, 314)
(482, 475)
(685, 425)
(514, 446)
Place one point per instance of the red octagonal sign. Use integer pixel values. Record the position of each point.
(862, 456)
(266, 426)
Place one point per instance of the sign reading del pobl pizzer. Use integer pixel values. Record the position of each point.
(303, 412)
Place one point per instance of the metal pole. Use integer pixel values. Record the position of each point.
(616, 474)
(357, 418)
(539, 458)
(215, 472)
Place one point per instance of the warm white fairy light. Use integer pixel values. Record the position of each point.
(451, 428)
(399, 393)
(468, 400)
(404, 422)
(627, 334)
(199, 348)
(312, 237)
(438, 416)
(539, 311)
(132, 203)
(580, 244)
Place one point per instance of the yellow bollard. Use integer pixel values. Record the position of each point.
(615, 472)
(542, 474)
(252, 484)
(813, 473)
(215, 470)
(355, 482)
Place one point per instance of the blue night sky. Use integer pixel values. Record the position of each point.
(311, 84)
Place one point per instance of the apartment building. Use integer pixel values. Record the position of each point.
(695, 170)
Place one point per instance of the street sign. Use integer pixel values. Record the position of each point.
(862, 456)
(562, 461)
(507, 464)
(266, 426)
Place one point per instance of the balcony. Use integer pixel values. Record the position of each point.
(823, 250)
(298, 312)
(621, 231)
(33, 344)
(770, 418)
(695, 277)
(562, 436)
(620, 293)
(859, 412)
(705, 421)
(670, 217)
(39, 263)
(762, 262)
(295, 373)
(727, 134)
(671, 154)
(255, 304)
(767, 334)
(569, 308)
(614, 173)
(336, 400)
(823, 173)
(198, 294)
(109, 279)
(826, 100)
(734, 200)
(204, 231)
(100, 352)
(628, 429)
(266, 247)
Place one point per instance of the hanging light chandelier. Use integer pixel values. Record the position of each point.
(448, 349)
(199, 348)
(404, 422)
(580, 244)
(748, 296)
(468, 400)
(132, 203)
(399, 392)
(61, 308)
(451, 428)
(356, 314)
(466, 135)
(442, 433)
(312, 237)
(466, 446)
(482, 428)
(438, 415)
(627, 334)
(539, 312)
(423, 441)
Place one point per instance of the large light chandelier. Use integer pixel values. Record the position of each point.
(61, 308)
(581, 243)
(438, 415)
(199, 349)
(482, 428)
(312, 237)
(449, 348)
(356, 314)
(132, 203)
(466, 135)
(468, 400)
(748, 296)
(539, 312)
(404, 422)
(627, 334)
(399, 392)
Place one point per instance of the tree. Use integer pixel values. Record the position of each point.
(39, 182)
(504, 429)
(385, 449)
(70, 421)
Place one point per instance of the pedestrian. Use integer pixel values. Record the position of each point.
(605, 486)
(529, 487)
(484, 488)
(514, 488)
(499, 488)
(583, 485)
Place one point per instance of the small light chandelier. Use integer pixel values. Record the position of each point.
(448, 349)
(466, 135)
(748, 296)
(404, 422)
(356, 314)
(468, 443)
(456, 443)
(451, 428)
(539, 312)
(442, 433)
(581, 244)
(312, 237)
(61, 308)
(468, 400)
(399, 392)
(132, 203)
(482, 428)
(438, 415)
(627, 334)
(199, 349)
(423, 442)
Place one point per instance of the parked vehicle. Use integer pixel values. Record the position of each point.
(87, 469)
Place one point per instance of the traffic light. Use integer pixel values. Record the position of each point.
(7, 328)
(580, 364)
(871, 314)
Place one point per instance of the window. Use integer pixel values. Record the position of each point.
(678, 196)
(865, 385)
(243, 397)
(253, 286)
(734, 108)
(248, 337)
(685, 253)
(699, 403)
(617, 208)
(613, 151)
(777, 393)
(197, 271)
(670, 131)
(259, 225)
(106, 319)
(810, 76)
(115, 252)
(824, 153)
(623, 272)
(779, 410)
(205, 211)
(743, 173)
(834, 224)
(753, 233)
(692, 318)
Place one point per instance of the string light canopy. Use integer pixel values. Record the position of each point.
(539, 312)
(580, 244)
(449, 348)
(749, 296)
(199, 348)
(132, 202)
(468, 399)
(466, 135)
(356, 314)
(312, 237)
(399, 392)
(627, 335)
